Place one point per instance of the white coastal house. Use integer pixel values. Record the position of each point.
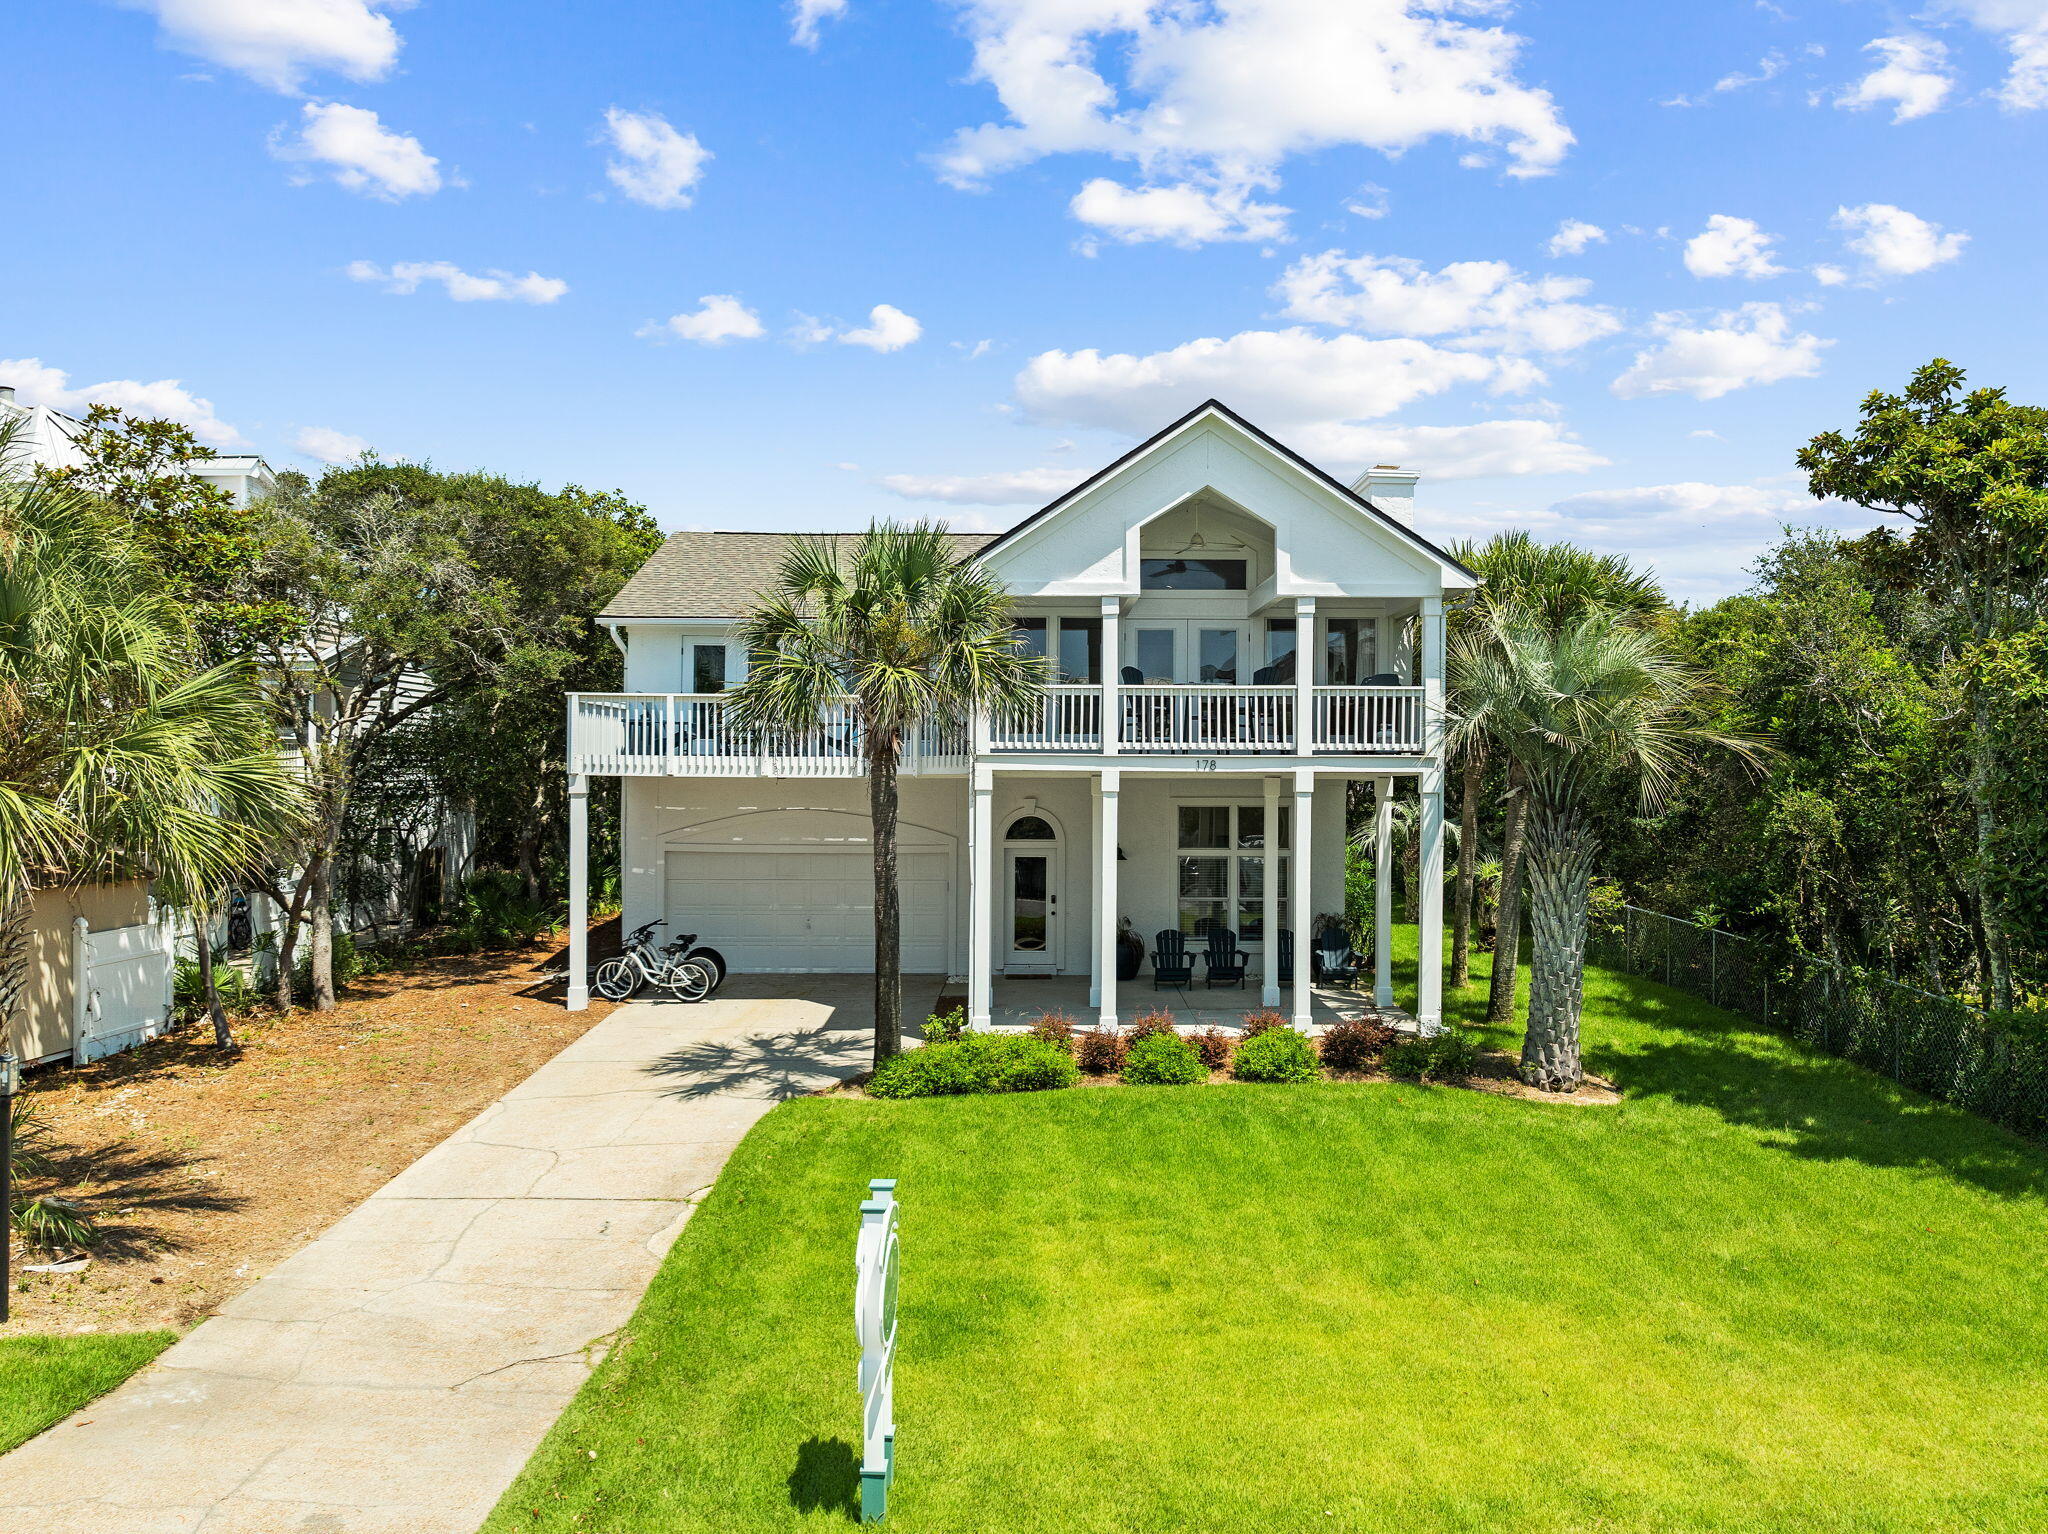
(1237, 638)
(50, 438)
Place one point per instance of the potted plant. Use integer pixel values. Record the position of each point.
(1130, 950)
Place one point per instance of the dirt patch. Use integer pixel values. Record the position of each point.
(205, 1171)
(1499, 1073)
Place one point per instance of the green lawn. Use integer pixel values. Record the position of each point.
(1768, 1292)
(45, 1379)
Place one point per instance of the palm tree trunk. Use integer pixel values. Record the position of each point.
(202, 946)
(1560, 859)
(1468, 862)
(888, 908)
(1507, 925)
(14, 923)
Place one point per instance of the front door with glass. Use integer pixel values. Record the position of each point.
(1031, 899)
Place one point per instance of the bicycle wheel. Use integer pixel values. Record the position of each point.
(687, 980)
(617, 978)
(712, 960)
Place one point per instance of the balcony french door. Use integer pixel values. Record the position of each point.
(1185, 650)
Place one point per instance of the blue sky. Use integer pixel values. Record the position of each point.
(800, 266)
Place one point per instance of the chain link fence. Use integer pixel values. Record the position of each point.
(1934, 1044)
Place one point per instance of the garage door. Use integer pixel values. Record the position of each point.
(808, 909)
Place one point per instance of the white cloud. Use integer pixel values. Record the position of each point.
(805, 16)
(360, 152)
(1768, 68)
(1466, 452)
(277, 42)
(463, 287)
(1829, 275)
(1750, 345)
(1184, 212)
(1913, 78)
(1573, 236)
(1221, 95)
(2022, 25)
(1895, 243)
(718, 318)
(1370, 201)
(36, 383)
(888, 329)
(651, 162)
(1017, 487)
(328, 445)
(1482, 303)
(1731, 247)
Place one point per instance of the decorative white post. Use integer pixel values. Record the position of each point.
(1303, 898)
(980, 899)
(1107, 782)
(1095, 948)
(1429, 985)
(1112, 673)
(1383, 893)
(1269, 879)
(579, 891)
(1304, 689)
(874, 1323)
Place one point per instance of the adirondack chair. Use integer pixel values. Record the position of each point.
(1286, 957)
(1171, 962)
(1337, 963)
(1226, 961)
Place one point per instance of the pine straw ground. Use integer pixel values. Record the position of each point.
(204, 1171)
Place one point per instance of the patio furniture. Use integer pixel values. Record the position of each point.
(1225, 960)
(1336, 961)
(1286, 957)
(1171, 962)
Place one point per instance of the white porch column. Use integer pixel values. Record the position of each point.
(1304, 686)
(1095, 948)
(1383, 892)
(1429, 945)
(1107, 783)
(1302, 897)
(579, 892)
(1269, 984)
(980, 898)
(1112, 671)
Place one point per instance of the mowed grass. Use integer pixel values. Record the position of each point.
(1767, 1292)
(45, 1379)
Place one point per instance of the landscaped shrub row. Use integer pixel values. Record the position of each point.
(1149, 1051)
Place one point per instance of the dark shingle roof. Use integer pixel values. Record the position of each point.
(718, 575)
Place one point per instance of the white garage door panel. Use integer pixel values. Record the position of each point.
(803, 909)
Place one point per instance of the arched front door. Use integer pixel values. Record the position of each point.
(1032, 879)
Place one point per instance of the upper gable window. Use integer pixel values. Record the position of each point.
(1191, 575)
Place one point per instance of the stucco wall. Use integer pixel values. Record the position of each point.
(51, 980)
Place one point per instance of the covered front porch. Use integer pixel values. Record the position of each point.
(1020, 1002)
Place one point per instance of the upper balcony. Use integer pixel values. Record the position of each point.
(689, 735)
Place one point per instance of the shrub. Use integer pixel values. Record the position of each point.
(1101, 1052)
(1163, 1060)
(1146, 1025)
(978, 1062)
(1213, 1045)
(348, 964)
(1256, 1023)
(1355, 1044)
(188, 995)
(945, 1027)
(1056, 1028)
(1449, 1056)
(1275, 1054)
(495, 912)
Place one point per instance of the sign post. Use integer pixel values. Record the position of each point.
(874, 1321)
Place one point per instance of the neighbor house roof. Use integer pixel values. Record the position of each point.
(718, 575)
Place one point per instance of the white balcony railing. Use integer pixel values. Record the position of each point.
(690, 735)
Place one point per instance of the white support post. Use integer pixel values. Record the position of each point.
(1112, 671)
(1433, 721)
(1304, 687)
(1269, 982)
(1383, 892)
(1303, 898)
(1429, 942)
(981, 900)
(1107, 783)
(1095, 949)
(579, 892)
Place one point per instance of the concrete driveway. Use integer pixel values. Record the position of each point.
(392, 1376)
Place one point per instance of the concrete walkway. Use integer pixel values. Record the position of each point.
(394, 1375)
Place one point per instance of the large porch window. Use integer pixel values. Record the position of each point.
(1072, 645)
(1222, 868)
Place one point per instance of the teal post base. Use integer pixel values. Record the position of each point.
(874, 1484)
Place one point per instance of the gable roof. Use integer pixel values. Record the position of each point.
(1217, 407)
(718, 575)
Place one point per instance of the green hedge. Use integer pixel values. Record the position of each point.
(979, 1062)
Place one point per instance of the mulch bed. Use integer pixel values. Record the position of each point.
(205, 1170)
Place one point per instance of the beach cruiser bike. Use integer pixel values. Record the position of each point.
(683, 970)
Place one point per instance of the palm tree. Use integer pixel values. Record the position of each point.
(120, 755)
(1596, 706)
(1556, 584)
(915, 636)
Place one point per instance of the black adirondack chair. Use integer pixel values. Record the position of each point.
(1337, 962)
(1286, 957)
(1226, 961)
(1171, 962)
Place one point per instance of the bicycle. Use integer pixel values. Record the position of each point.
(669, 969)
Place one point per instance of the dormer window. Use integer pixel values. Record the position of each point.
(1191, 574)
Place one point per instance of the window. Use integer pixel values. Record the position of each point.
(1279, 651)
(1031, 828)
(1080, 649)
(1154, 654)
(707, 668)
(1350, 650)
(1222, 869)
(1191, 574)
(1031, 636)
(1218, 655)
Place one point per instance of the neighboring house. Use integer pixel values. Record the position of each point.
(1237, 638)
(49, 437)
